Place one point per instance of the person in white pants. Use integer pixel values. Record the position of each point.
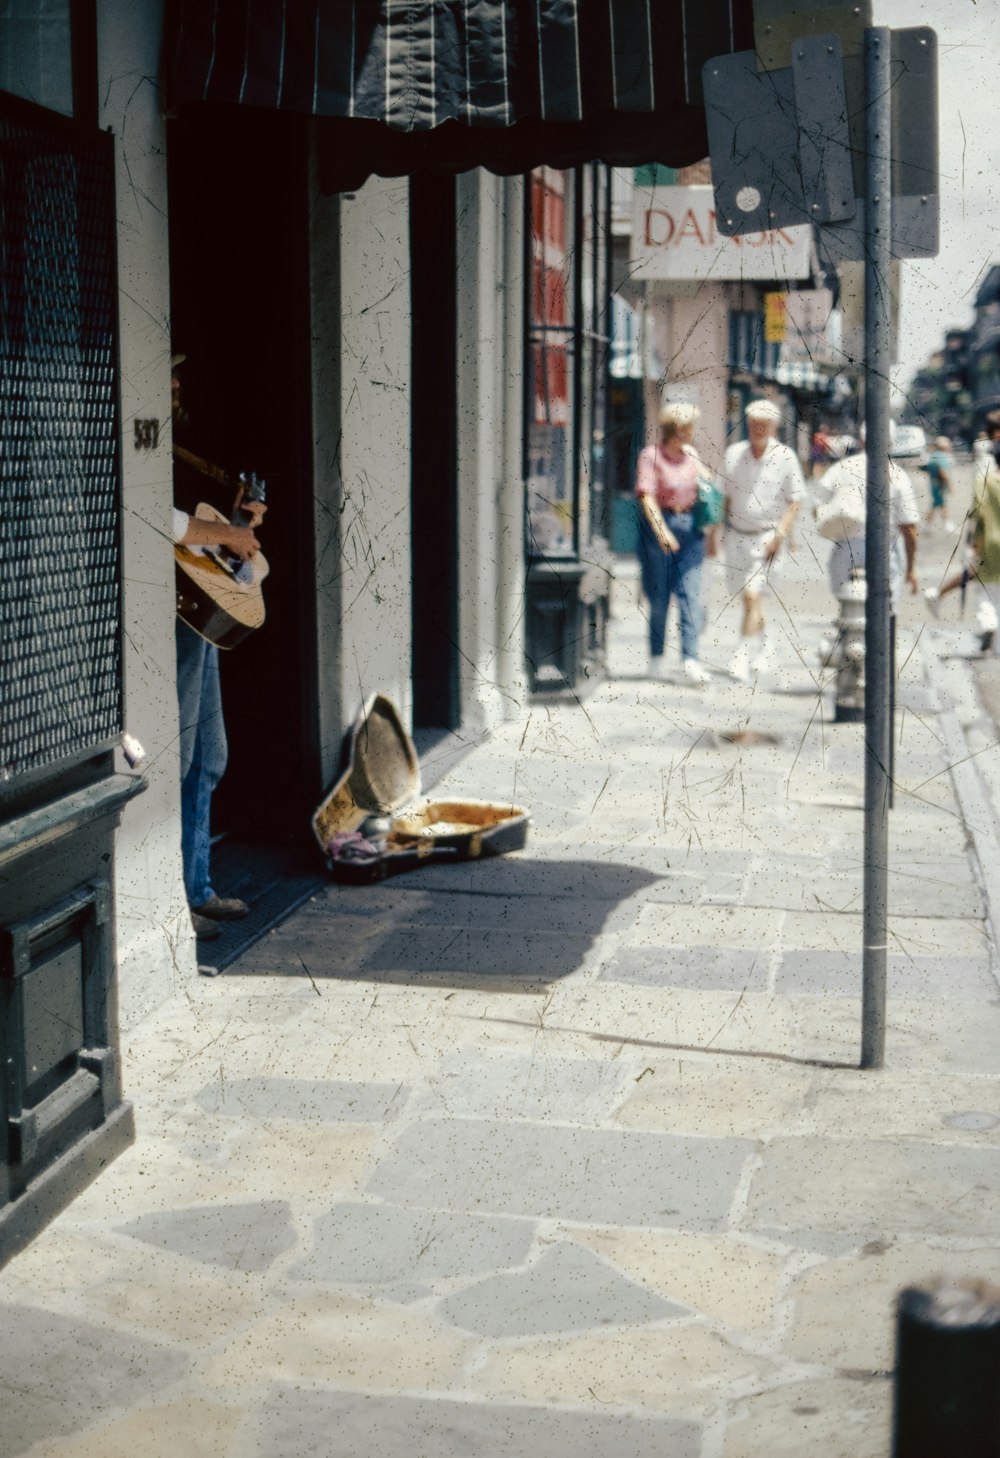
(763, 486)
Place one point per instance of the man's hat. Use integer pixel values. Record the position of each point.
(762, 410)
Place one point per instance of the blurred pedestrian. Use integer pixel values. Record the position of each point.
(671, 545)
(938, 467)
(986, 525)
(820, 451)
(842, 494)
(763, 485)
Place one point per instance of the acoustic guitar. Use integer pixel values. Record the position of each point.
(218, 594)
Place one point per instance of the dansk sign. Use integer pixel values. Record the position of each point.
(674, 236)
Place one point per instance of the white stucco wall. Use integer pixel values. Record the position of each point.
(690, 334)
(155, 943)
(490, 485)
(361, 403)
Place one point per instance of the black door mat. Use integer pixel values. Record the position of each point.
(274, 877)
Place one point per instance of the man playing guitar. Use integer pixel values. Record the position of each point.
(203, 747)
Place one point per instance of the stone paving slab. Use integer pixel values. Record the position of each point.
(714, 969)
(682, 1370)
(568, 1288)
(728, 1097)
(523, 1086)
(845, 1309)
(188, 1424)
(846, 1417)
(244, 1237)
(873, 1187)
(947, 1108)
(840, 974)
(937, 1037)
(326, 1424)
(554, 1172)
(328, 1100)
(70, 1371)
(371, 1245)
(910, 894)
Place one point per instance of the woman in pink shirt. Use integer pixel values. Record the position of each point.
(671, 547)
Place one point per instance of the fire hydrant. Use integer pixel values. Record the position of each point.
(846, 652)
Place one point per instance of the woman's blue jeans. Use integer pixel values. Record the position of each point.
(667, 573)
(203, 754)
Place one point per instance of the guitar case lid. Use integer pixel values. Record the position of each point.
(382, 776)
(382, 773)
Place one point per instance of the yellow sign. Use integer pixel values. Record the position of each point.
(774, 318)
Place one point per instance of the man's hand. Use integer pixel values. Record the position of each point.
(713, 540)
(254, 512)
(773, 547)
(668, 541)
(242, 542)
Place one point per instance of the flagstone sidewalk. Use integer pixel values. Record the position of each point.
(566, 1152)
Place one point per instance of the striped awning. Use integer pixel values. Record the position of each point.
(403, 85)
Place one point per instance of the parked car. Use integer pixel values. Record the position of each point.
(910, 440)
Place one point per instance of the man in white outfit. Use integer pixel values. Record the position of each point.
(846, 480)
(763, 485)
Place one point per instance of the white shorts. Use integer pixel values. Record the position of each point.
(746, 568)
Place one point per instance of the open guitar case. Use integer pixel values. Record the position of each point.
(374, 823)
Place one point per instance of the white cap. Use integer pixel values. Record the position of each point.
(762, 410)
(679, 413)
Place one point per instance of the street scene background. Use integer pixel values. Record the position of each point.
(570, 1148)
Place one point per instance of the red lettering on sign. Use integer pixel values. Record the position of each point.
(785, 237)
(659, 234)
(689, 228)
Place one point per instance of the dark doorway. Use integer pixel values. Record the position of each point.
(434, 475)
(239, 305)
(239, 281)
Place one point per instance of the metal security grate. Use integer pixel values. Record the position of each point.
(60, 598)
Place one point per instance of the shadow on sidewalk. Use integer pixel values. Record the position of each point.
(509, 923)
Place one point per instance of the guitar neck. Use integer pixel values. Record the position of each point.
(247, 491)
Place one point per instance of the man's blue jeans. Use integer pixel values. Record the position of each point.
(203, 752)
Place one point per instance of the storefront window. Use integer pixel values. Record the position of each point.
(36, 52)
(567, 358)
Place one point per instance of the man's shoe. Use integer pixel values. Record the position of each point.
(763, 660)
(222, 908)
(656, 666)
(204, 929)
(739, 666)
(933, 600)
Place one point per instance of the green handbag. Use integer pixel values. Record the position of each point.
(709, 507)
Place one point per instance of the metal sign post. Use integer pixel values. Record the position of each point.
(787, 123)
(878, 729)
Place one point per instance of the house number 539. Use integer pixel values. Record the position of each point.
(147, 434)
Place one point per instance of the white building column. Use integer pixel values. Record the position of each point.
(691, 334)
(155, 942)
(490, 487)
(360, 264)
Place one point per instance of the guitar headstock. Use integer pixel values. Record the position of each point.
(254, 489)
